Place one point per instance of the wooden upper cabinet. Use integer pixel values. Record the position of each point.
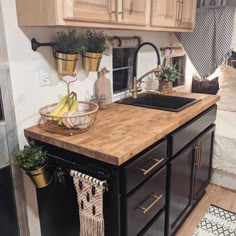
(132, 12)
(163, 13)
(88, 10)
(153, 15)
(186, 14)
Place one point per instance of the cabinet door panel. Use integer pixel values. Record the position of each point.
(163, 13)
(187, 13)
(204, 161)
(89, 10)
(181, 185)
(133, 12)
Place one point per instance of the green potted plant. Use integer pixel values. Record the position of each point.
(66, 49)
(93, 48)
(34, 161)
(166, 77)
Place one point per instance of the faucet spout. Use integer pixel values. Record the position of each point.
(136, 56)
(135, 83)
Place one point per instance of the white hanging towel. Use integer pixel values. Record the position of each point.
(90, 202)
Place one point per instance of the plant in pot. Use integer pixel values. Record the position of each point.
(34, 161)
(93, 48)
(166, 77)
(66, 49)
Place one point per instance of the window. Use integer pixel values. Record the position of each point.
(179, 62)
(122, 68)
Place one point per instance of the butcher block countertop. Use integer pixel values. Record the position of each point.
(121, 131)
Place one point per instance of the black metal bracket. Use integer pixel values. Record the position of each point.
(35, 44)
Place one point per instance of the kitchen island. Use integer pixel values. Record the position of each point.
(141, 153)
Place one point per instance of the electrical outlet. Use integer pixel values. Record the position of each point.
(44, 77)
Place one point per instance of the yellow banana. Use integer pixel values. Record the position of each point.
(59, 107)
(67, 120)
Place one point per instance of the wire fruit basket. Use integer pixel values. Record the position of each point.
(71, 122)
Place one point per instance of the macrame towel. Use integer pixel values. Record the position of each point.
(90, 202)
(209, 45)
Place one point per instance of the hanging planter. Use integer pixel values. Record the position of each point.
(34, 161)
(40, 177)
(67, 46)
(93, 49)
(91, 61)
(66, 63)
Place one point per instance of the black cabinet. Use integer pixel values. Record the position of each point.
(150, 195)
(8, 218)
(181, 169)
(156, 227)
(190, 172)
(203, 161)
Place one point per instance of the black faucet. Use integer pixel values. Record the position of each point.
(136, 55)
(136, 83)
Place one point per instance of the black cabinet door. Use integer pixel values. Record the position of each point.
(8, 219)
(180, 186)
(203, 161)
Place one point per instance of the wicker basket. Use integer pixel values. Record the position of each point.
(71, 122)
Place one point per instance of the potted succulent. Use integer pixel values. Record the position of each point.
(93, 48)
(166, 77)
(66, 49)
(33, 160)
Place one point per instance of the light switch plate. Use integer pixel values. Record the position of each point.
(44, 77)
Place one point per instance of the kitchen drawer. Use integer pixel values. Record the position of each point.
(191, 130)
(138, 170)
(142, 205)
(157, 226)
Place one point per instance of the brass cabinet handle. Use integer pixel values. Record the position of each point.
(131, 8)
(182, 9)
(146, 210)
(197, 156)
(145, 172)
(177, 10)
(200, 157)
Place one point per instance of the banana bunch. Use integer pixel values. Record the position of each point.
(65, 105)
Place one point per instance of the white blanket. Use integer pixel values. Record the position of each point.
(225, 142)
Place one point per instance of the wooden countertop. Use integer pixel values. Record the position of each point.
(122, 131)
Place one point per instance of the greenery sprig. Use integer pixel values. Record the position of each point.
(168, 73)
(68, 43)
(95, 41)
(31, 158)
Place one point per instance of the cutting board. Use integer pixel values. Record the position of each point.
(103, 87)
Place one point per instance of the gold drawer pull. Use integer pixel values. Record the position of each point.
(146, 210)
(145, 172)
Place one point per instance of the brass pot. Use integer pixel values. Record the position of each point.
(165, 86)
(66, 63)
(41, 177)
(91, 61)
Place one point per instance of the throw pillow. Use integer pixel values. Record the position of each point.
(227, 92)
(205, 86)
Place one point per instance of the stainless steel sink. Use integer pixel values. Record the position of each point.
(161, 102)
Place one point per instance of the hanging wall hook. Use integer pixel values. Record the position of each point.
(35, 44)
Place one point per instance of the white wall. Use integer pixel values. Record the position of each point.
(29, 96)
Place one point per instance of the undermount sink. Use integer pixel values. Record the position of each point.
(161, 102)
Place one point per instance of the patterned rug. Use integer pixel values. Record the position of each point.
(217, 222)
